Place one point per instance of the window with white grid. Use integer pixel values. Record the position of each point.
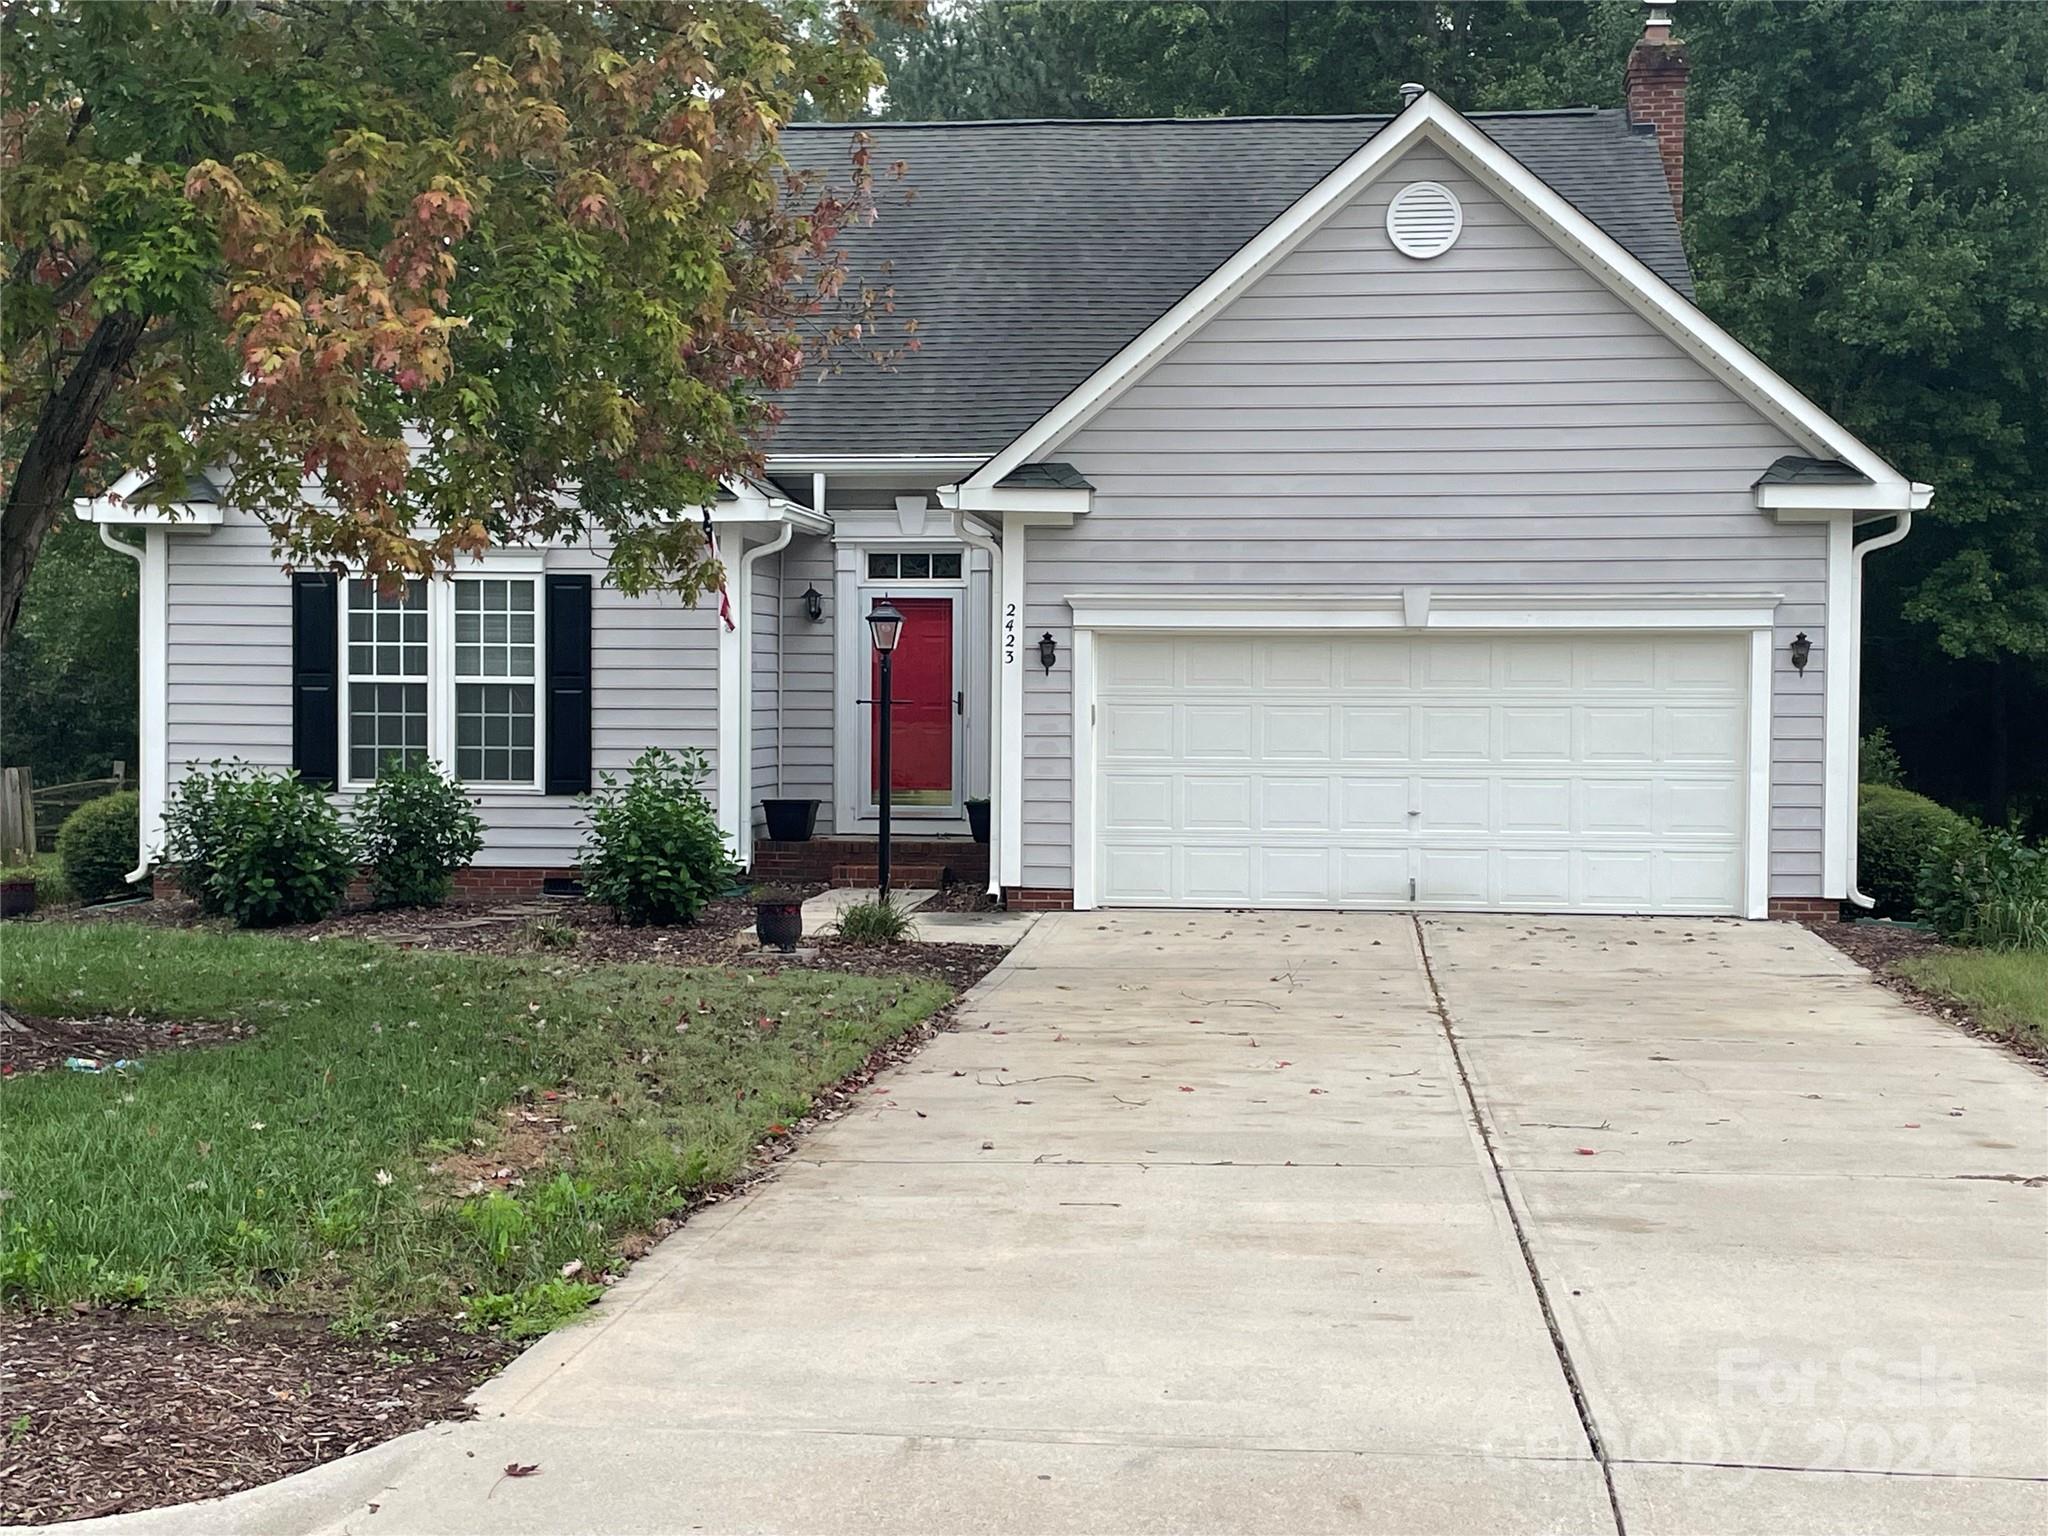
(387, 677)
(496, 652)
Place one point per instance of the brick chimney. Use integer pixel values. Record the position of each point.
(1657, 69)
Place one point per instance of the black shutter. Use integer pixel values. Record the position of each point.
(316, 705)
(568, 771)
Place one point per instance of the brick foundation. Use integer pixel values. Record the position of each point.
(487, 884)
(1027, 898)
(1805, 909)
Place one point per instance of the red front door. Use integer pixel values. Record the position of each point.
(921, 746)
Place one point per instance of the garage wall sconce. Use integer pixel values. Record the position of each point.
(1802, 652)
(1048, 652)
(814, 604)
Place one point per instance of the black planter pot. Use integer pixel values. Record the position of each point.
(779, 924)
(977, 819)
(790, 821)
(17, 898)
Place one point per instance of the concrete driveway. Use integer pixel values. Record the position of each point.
(1304, 1222)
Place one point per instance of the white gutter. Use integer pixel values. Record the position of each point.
(975, 535)
(1882, 541)
(744, 776)
(149, 724)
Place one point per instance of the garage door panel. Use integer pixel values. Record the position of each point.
(1457, 805)
(1215, 804)
(1371, 876)
(1536, 734)
(1217, 733)
(1138, 875)
(1535, 878)
(1703, 734)
(1597, 772)
(1294, 804)
(1290, 664)
(1294, 876)
(1218, 875)
(1139, 802)
(1374, 733)
(1137, 731)
(1454, 735)
(1535, 805)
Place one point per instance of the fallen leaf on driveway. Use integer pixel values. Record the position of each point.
(1587, 1152)
(1184, 1088)
(522, 1469)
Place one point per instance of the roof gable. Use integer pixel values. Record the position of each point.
(1431, 120)
(1033, 251)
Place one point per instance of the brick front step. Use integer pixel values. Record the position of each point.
(913, 861)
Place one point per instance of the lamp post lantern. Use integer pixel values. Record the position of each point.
(886, 622)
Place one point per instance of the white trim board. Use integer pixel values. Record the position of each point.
(1429, 119)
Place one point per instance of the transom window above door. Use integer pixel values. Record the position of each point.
(914, 565)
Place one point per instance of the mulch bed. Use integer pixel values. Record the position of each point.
(1879, 946)
(111, 1410)
(30, 1042)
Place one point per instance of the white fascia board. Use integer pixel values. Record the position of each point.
(110, 511)
(1430, 119)
(1002, 500)
(1788, 501)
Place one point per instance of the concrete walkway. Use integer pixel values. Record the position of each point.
(1293, 1223)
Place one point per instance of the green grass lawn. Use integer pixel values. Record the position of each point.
(2006, 990)
(293, 1166)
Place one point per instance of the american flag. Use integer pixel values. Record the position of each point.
(724, 597)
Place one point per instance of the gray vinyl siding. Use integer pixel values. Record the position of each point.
(1492, 419)
(807, 677)
(654, 677)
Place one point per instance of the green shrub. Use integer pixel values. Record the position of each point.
(1894, 830)
(418, 827)
(261, 848)
(874, 922)
(653, 852)
(98, 846)
(1877, 760)
(1987, 887)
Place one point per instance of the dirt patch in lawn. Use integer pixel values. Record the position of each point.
(109, 1411)
(1879, 947)
(30, 1042)
(577, 932)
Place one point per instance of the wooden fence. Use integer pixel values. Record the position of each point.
(30, 817)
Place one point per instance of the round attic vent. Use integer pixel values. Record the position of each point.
(1423, 220)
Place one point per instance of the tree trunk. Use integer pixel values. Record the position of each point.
(42, 485)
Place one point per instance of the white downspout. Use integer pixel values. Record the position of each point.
(1882, 541)
(151, 770)
(744, 777)
(972, 534)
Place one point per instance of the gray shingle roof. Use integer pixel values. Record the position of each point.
(1793, 469)
(1053, 476)
(1033, 251)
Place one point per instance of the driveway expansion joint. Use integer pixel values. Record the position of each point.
(1557, 1342)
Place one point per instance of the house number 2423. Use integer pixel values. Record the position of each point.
(1009, 634)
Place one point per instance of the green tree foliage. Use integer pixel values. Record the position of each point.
(68, 675)
(553, 238)
(1867, 207)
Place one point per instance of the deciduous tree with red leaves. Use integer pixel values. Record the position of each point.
(427, 277)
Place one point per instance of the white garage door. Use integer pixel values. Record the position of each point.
(1599, 773)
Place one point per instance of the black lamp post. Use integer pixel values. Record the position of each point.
(887, 624)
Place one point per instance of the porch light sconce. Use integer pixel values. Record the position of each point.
(1802, 651)
(814, 604)
(1048, 652)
